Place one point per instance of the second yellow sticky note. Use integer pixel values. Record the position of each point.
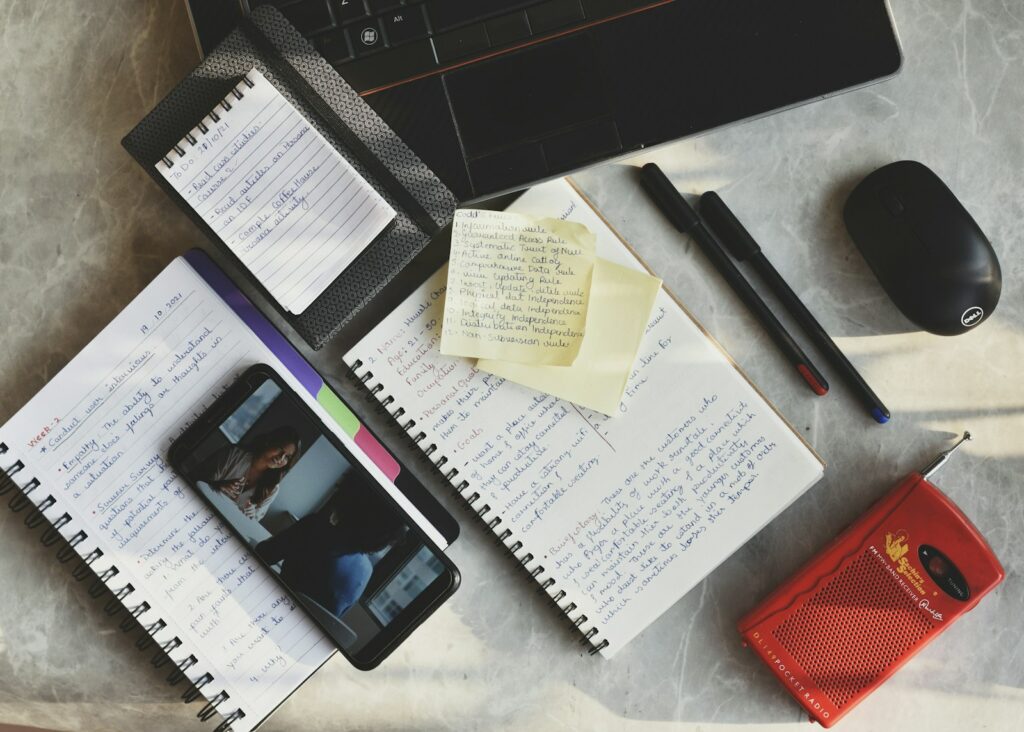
(621, 301)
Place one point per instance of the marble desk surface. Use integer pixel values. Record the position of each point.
(83, 229)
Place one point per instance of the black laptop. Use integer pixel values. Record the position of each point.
(496, 95)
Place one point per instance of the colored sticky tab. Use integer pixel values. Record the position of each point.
(338, 410)
(621, 301)
(518, 288)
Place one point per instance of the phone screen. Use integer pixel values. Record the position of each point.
(315, 516)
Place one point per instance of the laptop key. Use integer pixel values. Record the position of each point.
(462, 42)
(348, 10)
(445, 14)
(554, 14)
(507, 29)
(365, 37)
(390, 67)
(334, 47)
(309, 16)
(379, 6)
(405, 24)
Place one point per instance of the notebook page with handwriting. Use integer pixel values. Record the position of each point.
(616, 517)
(286, 203)
(95, 439)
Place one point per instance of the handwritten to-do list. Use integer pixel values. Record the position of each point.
(625, 514)
(518, 288)
(288, 205)
(96, 438)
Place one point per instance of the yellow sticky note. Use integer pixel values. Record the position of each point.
(518, 288)
(621, 301)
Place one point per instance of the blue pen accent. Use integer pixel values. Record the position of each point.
(880, 416)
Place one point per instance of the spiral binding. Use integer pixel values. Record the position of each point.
(546, 585)
(53, 533)
(225, 104)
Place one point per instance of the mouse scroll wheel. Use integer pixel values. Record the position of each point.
(892, 202)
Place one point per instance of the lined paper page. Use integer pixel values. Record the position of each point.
(96, 437)
(289, 206)
(625, 513)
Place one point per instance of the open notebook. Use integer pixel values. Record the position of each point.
(615, 517)
(87, 455)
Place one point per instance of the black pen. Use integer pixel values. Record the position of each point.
(742, 246)
(686, 220)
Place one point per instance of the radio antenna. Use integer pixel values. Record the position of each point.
(939, 461)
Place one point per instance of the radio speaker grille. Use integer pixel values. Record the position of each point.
(853, 629)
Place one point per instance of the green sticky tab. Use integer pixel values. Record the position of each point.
(337, 409)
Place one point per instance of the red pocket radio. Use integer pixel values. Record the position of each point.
(878, 594)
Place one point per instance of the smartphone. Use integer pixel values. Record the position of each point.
(310, 511)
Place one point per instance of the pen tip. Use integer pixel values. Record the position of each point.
(881, 416)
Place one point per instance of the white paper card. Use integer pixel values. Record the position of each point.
(289, 206)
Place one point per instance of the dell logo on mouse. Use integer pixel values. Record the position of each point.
(972, 316)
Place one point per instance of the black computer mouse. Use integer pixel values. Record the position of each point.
(930, 255)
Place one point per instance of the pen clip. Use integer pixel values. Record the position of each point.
(668, 199)
(729, 230)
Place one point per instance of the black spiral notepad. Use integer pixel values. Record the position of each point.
(204, 106)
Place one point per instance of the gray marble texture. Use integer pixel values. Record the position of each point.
(83, 229)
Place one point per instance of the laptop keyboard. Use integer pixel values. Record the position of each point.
(379, 43)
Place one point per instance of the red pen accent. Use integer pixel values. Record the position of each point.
(819, 389)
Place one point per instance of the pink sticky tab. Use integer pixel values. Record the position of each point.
(376, 452)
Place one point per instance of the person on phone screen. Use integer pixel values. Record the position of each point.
(251, 475)
(329, 555)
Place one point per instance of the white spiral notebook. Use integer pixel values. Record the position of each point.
(86, 456)
(616, 518)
